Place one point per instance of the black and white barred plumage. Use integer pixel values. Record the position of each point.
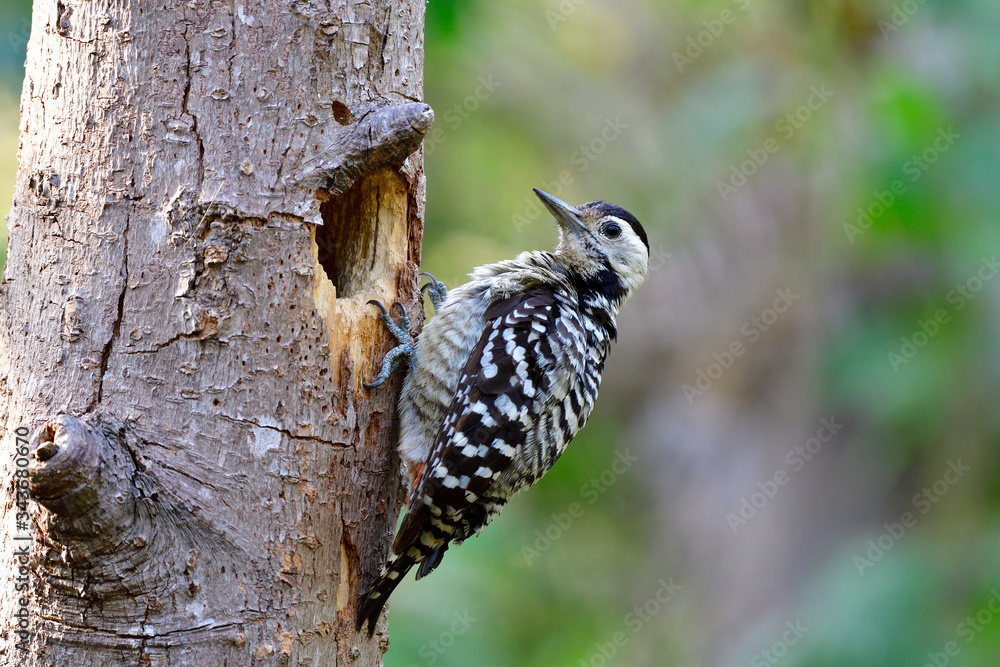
(507, 372)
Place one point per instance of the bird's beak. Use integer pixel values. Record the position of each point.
(567, 216)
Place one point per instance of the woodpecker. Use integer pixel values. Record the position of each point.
(501, 379)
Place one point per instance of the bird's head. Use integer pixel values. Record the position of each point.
(601, 242)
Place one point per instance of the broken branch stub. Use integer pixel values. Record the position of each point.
(382, 138)
(77, 474)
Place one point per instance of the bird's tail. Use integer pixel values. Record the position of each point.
(373, 600)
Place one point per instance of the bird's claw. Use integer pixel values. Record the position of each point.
(405, 351)
(378, 304)
(435, 289)
(400, 329)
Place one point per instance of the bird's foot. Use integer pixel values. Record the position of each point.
(405, 351)
(436, 290)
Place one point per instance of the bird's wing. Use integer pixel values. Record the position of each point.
(527, 358)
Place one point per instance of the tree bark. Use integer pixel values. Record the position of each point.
(208, 194)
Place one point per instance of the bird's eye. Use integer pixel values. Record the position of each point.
(612, 230)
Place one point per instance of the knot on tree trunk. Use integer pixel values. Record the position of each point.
(113, 535)
(82, 478)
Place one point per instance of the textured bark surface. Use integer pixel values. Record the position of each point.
(207, 196)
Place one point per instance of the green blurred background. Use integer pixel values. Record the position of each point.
(795, 456)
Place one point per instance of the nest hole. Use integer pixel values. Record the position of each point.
(349, 238)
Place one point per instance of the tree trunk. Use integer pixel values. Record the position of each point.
(208, 195)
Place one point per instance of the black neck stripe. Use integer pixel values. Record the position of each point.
(604, 283)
